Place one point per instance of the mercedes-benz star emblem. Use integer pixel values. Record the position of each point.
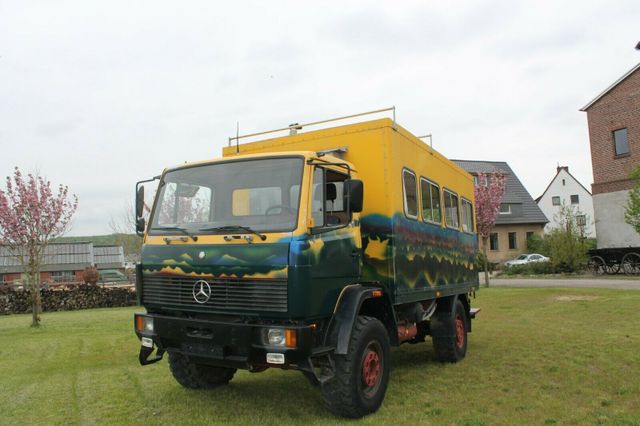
(201, 291)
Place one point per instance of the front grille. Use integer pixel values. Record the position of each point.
(227, 294)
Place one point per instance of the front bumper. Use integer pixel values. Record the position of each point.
(222, 343)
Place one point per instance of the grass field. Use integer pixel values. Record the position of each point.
(536, 356)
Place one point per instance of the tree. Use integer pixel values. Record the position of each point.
(123, 228)
(488, 193)
(632, 212)
(31, 215)
(566, 242)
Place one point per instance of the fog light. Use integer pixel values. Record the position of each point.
(276, 337)
(147, 342)
(275, 358)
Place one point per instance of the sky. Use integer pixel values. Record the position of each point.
(99, 95)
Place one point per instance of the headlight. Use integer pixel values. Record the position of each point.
(275, 337)
(281, 337)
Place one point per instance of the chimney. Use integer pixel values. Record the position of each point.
(562, 167)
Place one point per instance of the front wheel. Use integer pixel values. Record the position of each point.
(198, 376)
(362, 375)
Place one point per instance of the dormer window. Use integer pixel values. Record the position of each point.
(505, 208)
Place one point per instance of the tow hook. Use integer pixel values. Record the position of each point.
(146, 351)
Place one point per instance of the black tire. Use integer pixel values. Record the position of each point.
(198, 376)
(452, 345)
(362, 375)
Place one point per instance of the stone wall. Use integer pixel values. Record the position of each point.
(67, 299)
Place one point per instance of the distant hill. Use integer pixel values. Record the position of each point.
(131, 243)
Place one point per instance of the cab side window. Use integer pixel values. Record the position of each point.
(328, 207)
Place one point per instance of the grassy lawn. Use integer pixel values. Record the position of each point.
(536, 356)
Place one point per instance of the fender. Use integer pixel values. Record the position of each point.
(366, 298)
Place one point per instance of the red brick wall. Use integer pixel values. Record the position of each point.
(617, 109)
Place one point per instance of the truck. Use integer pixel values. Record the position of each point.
(315, 251)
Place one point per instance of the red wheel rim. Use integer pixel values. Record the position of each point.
(371, 368)
(459, 331)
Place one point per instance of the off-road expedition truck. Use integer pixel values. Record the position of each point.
(314, 251)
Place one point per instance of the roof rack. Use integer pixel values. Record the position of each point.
(293, 128)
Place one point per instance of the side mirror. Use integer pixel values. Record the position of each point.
(139, 203)
(140, 225)
(353, 194)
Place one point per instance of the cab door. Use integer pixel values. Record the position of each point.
(335, 237)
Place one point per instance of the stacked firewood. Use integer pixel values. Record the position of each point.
(16, 301)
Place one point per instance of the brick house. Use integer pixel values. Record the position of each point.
(519, 217)
(614, 135)
(64, 262)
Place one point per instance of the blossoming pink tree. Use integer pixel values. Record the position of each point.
(488, 193)
(31, 215)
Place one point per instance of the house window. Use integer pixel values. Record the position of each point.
(555, 201)
(409, 185)
(431, 209)
(467, 216)
(493, 241)
(620, 141)
(575, 199)
(505, 208)
(451, 215)
(62, 276)
(563, 182)
(513, 243)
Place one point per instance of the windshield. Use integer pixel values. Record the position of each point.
(260, 194)
(523, 256)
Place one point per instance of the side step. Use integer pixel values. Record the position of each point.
(473, 312)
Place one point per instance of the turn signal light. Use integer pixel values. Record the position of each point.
(291, 338)
(376, 293)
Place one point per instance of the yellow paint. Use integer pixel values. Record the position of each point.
(376, 249)
(176, 270)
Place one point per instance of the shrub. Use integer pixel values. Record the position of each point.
(480, 263)
(534, 268)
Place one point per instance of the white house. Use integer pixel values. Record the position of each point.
(564, 189)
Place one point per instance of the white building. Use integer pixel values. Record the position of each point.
(565, 190)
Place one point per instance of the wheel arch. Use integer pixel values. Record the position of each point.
(360, 299)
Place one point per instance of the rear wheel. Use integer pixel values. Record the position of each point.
(198, 376)
(631, 263)
(451, 346)
(362, 375)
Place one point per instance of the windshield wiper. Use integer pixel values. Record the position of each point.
(176, 228)
(231, 228)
